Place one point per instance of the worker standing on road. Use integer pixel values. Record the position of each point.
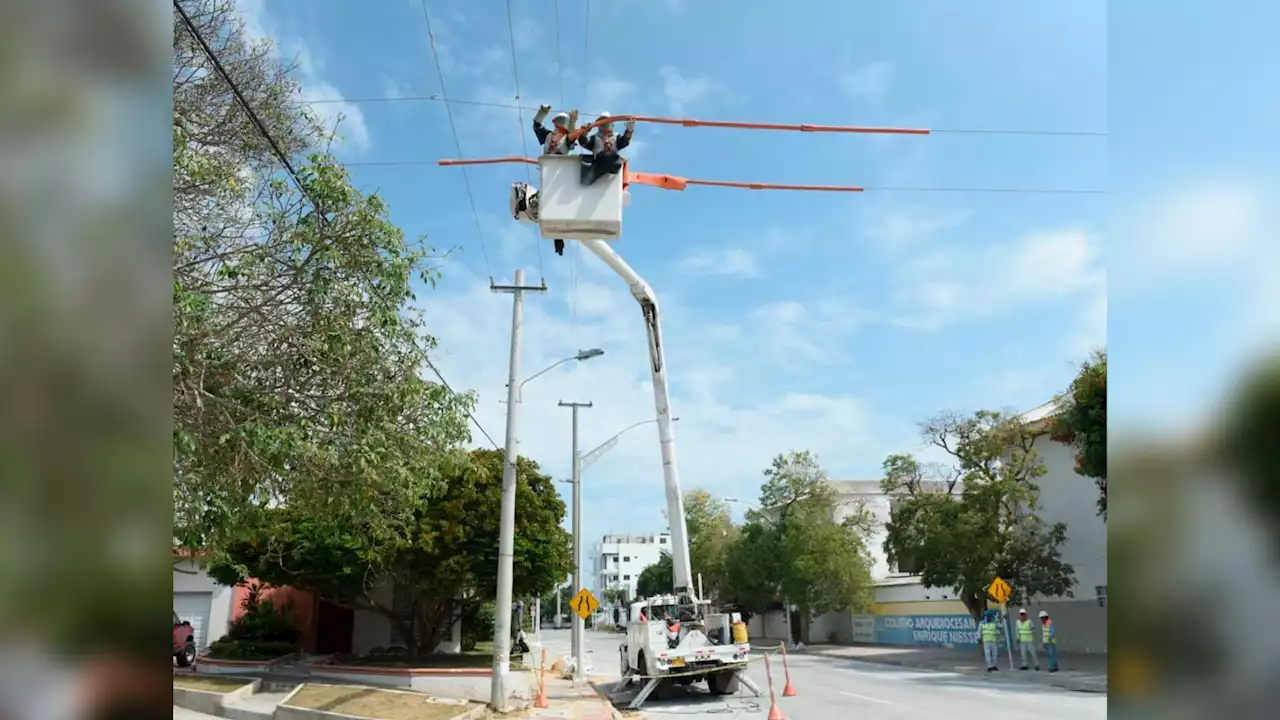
(991, 632)
(1049, 636)
(1026, 640)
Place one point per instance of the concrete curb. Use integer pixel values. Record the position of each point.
(603, 694)
(209, 702)
(285, 711)
(1066, 683)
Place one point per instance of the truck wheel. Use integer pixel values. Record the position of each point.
(723, 683)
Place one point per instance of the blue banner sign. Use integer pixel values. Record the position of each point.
(958, 630)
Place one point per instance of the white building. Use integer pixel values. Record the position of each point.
(1064, 497)
(618, 560)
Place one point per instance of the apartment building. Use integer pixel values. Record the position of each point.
(618, 560)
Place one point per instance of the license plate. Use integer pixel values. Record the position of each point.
(677, 662)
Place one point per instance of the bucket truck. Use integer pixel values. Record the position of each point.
(674, 638)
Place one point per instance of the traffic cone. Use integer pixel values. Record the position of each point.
(775, 713)
(541, 701)
(788, 690)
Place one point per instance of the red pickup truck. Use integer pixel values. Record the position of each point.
(184, 641)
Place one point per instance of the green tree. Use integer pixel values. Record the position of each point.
(657, 579)
(976, 520)
(796, 546)
(711, 532)
(1082, 423)
(445, 563)
(298, 358)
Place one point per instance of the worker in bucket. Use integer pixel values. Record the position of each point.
(990, 631)
(604, 146)
(556, 140)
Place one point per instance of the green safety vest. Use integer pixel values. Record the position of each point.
(1024, 631)
(990, 632)
(1047, 634)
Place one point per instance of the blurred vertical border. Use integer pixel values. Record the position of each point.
(1194, 299)
(85, 410)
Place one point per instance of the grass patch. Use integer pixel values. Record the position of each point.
(209, 684)
(372, 703)
(480, 657)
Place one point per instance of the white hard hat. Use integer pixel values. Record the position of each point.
(560, 117)
(1044, 614)
(604, 115)
(1022, 611)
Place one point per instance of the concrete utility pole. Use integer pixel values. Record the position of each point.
(506, 535)
(579, 671)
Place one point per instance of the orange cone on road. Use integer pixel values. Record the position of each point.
(541, 701)
(774, 712)
(788, 690)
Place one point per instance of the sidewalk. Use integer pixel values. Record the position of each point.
(1081, 672)
(570, 703)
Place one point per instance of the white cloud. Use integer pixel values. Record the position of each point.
(947, 286)
(868, 82)
(1192, 228)
(796, 335)
(609, 94)
(333, 110)
(730, 262)
(899, 230)
(730, 425)
(682, 92)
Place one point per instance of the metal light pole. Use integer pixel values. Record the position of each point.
(578, 621)
(506, 533)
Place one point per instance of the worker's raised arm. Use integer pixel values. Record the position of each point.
(625, 138)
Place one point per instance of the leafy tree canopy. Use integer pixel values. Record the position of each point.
(658, 578)
(298, 357)
(801, 545)
(445, 562)
(1082, 423)
(976, 520)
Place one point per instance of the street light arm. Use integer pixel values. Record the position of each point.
(546, 370)
(594, 454)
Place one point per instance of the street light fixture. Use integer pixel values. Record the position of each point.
(507, 530)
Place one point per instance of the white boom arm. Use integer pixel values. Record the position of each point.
(662, 404)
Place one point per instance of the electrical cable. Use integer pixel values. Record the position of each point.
(506, 106)
(524, 143)
(466, 180)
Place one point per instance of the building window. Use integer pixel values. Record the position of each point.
(1100, 591)
(626, 559)
(662, 540)
(626, 577)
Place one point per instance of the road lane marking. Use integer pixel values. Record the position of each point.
(864, 697)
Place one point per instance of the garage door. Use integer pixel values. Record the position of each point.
(194, 608)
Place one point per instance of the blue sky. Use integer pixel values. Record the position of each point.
(793, 321)
(829, 322)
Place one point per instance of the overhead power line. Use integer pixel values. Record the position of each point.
(509, 106)
(474, 421)
(524, 143)
(444, 96)
(248, 109)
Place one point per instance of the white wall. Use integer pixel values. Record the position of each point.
(189, 577)
(1070, 498)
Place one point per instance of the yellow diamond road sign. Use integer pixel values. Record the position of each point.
(1000, 590)
(584, 603)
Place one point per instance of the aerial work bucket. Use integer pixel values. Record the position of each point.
(569, 209)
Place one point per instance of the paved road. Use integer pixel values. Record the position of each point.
(831, 687)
